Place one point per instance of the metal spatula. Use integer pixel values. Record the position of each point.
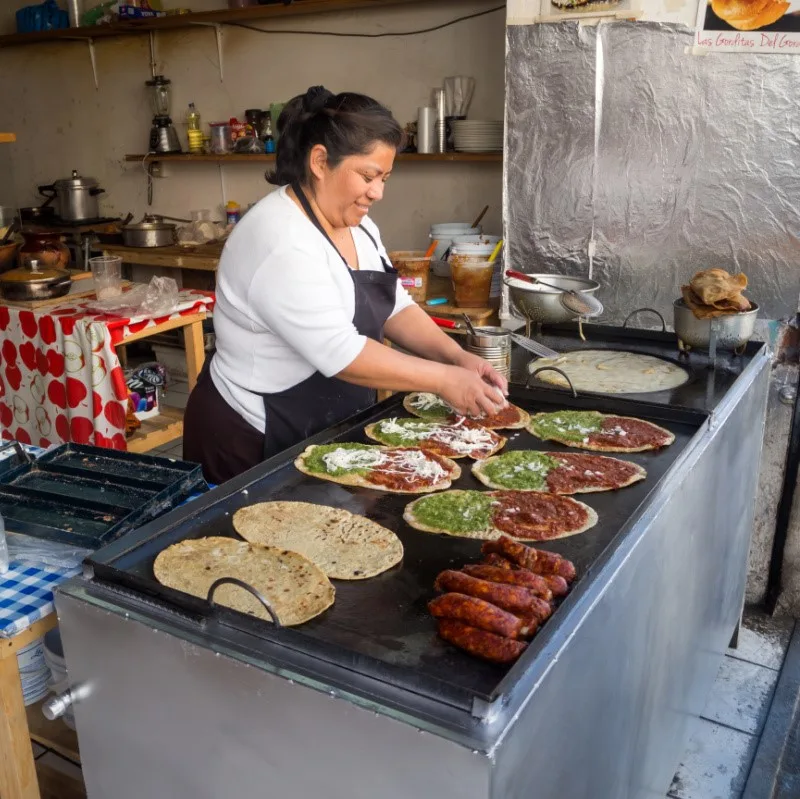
(577, 302)
(533, 346)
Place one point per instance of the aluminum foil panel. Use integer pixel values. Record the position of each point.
(669, 162)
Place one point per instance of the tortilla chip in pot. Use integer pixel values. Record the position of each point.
(294, 586)
(345, 546)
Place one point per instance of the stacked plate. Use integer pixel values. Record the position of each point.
(33, 671)
(477, 135)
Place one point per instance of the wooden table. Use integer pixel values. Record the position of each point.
(17, 767)
(204, 257)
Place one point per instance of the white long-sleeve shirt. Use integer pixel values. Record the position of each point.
(285, 304)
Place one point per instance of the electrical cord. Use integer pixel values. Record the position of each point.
(369, 35)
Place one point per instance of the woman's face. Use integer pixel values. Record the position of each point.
(346, 192)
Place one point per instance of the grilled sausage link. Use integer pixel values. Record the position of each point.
(477, 613)
(538, 561)
(480, 643)
(495, 559)
(558, 585)
(514, 598)
(523, 577)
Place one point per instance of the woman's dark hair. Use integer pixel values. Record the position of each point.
(345, 124)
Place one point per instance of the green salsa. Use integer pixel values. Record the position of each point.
(521, 469)
(395, 439)
(569, 425)
(457, 512)
(314, 461)
(437, 410)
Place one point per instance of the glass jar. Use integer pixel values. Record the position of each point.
(45, 247)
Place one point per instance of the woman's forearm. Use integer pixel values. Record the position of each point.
(413, 330)
(379, 366)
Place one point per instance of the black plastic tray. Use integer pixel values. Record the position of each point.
(380, 627)
(89, 496)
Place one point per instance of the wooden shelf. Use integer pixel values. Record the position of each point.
(225, 16)
(53, 735)
(255, 158)
(157, 431)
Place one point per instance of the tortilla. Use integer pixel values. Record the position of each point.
(612, 372)
(296, 588)
(433, 408)
(399, 470)
(524, 515)
(463, 439)
(345, 546)
(557, 472)
(599, 432)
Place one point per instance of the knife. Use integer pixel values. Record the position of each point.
(448, 323)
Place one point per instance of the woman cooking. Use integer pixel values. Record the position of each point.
(305, 294)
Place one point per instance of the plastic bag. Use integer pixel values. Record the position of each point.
(157, 298)
(28, 549)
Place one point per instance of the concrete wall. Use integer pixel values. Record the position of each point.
(64, 123)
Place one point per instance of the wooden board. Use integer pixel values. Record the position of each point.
(442, 287)
(53, 735)
(204, 257)
(34, 305)
(158, 430)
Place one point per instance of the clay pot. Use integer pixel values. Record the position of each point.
(46, 248)
(8, 256)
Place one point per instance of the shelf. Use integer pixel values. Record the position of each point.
(234, 158)
(53, 735)
(157, 431)
(225, 16)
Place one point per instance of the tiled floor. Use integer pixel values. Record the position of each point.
(723, 742)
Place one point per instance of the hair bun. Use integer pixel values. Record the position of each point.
(315, 98)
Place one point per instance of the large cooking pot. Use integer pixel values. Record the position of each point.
(732, 331)
(76, 197)
(152, 231)
(37, 283)
(541, 304)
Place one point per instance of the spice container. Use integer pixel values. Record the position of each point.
(414, 268)
(472, 281)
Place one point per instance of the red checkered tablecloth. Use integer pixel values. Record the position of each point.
(60, 378)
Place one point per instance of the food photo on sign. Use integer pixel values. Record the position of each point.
(749, 26)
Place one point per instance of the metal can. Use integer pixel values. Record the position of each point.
(493, 344)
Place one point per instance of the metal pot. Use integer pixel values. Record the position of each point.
(23, 285)
(541, 304)
(76, 197)
(152, 231)
(732, 331)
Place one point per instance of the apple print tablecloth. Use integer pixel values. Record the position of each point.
(60, 378)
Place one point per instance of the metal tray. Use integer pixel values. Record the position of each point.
(380, 627)
(89, 496)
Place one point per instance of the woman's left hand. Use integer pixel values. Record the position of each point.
(468, 360)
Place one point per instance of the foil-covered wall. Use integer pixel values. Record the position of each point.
(670, 162)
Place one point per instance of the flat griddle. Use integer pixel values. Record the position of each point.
(709, 380)
(380, 628)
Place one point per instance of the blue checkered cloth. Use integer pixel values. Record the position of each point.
(26, 595)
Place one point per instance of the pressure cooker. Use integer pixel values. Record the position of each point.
(76, 197)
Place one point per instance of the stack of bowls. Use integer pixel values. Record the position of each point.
(33, 671)
(493, 344)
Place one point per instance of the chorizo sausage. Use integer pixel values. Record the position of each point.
(538, 561)
(480, 643)
(495, 559)
(476, 613)
(514, 598)
(558, 585)
(523, 577)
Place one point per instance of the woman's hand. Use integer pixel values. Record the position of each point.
(469, 392)
(468, 360)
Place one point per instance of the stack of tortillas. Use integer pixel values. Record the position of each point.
(297, 589)
(345, 546)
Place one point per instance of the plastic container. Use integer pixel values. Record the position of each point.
(221, 141)
(444, 233)
(107, 274)
(414, 269)
(472, 281)
(479, 248)
(233, 211)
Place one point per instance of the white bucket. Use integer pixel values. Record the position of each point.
(444, 233)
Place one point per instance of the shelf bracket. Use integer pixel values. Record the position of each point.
(218, 35)
(93, 59)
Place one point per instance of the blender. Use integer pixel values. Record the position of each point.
(163, 136)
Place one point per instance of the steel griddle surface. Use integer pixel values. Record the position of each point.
(704, 389)
(380, 627)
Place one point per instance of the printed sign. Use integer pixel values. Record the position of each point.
(749, 26)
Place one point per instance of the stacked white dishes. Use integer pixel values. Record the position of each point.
(33, 671)
(54, 657)
(477, 135)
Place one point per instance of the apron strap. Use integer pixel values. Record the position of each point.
(306, 206)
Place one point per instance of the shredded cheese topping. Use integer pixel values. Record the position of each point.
(460, 438)
(426, 401)
(411, 464)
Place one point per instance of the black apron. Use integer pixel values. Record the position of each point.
(319, 402)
